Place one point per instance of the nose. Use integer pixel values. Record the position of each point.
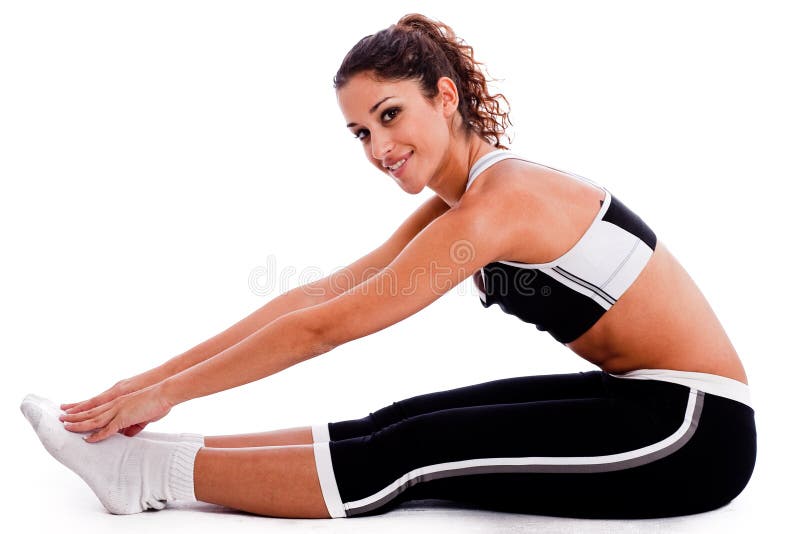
(380, 146)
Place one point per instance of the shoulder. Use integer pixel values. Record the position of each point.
(507, 182)
(529, 208)
(510, 191)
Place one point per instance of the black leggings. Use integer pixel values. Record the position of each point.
(587, 444)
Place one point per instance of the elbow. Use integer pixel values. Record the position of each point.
(318, 337)
(325, 327)
(321, 343)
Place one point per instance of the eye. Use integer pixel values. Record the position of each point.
(391, 110)
(391, 113)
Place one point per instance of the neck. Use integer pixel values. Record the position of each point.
(450, 181)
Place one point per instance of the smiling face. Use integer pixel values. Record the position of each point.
(394, 121)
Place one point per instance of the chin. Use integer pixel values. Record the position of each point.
(411, 189)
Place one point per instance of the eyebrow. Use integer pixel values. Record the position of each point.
(373, 108)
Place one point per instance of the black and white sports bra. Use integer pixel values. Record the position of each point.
(568, 295)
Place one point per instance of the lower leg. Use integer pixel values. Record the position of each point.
(287, 436)
(276, 481)
(130, 475)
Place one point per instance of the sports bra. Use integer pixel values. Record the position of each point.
(568, 295)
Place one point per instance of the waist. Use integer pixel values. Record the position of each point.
(709, 383)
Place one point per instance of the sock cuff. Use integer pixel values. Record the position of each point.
(181, 471)
(171, 438)
(199, 439)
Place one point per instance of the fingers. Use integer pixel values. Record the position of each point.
(108, 395)
(77, 406)
(89, 404)
(89, 420)
(89, 424)
(77, 417)
(127, 414)
(106, 432)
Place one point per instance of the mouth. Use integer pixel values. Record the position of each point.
(397, 169)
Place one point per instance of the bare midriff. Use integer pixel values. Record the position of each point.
(662, 321)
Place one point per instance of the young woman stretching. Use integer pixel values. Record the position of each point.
(663, 427)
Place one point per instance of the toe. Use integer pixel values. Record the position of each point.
(46, 403)
(32, 412)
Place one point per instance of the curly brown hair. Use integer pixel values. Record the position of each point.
(423, 49)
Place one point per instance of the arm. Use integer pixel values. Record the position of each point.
(447, 251)
(298, 298)
(426, 268)
(310, 294)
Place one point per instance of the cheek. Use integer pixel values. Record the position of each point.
(435, 131)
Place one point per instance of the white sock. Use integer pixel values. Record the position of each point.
(128, 475)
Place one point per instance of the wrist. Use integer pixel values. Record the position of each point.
(165, 370)
(145, 379)
(170, 391)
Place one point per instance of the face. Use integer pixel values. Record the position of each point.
(393, 121)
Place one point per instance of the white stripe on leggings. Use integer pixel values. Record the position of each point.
(320, 433)
(327, 480)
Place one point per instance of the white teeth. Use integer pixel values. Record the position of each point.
(396, 165)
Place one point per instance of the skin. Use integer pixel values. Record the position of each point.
(273, 473)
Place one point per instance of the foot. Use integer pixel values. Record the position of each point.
(112, 468)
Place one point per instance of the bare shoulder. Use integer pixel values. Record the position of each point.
(506, 193)
(539, 211)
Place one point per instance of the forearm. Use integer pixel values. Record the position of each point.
(280, 344)
(281, 305)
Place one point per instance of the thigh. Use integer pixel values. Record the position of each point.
(482, 454)
(660, 461)
(514, 390)
(631, 455)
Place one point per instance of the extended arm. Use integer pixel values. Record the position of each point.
(298, 298)
(429, 266)
(312, 293)
(446, 252)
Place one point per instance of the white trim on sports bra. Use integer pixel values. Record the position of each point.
(487, 160)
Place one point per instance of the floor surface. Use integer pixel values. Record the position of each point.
(63, 503)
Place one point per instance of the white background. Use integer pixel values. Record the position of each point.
(153, 155)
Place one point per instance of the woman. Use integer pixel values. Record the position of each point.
(664, 427)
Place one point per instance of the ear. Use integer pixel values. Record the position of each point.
(448, 94)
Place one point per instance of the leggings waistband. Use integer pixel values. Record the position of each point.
(709, 383)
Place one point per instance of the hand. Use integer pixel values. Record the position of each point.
(129, 413)
(123, 387)
(117, 390)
